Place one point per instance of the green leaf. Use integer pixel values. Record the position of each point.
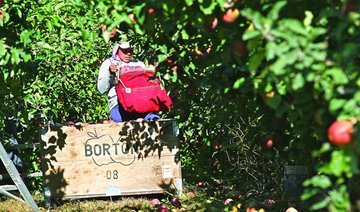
(279, 66)
(274, 13)
(249, 34)
(25, 37)
(238, 83)
(321, 204)
(340, 163)
(189, 2)
(256, 60)
(15, 56)
(295, 26)
(337, 75)
(336, 104)
(184, 35)
(321, 181)
(281, 88)
(298, 82)
(309, 193)
(161, 57)
(43, 45)
(207, 7)
(274, 102)
(308, 19)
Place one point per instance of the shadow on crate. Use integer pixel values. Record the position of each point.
(104, 145)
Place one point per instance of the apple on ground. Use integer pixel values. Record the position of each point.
(175, 202)
(162, 208)
(155, 201)
(340, 132)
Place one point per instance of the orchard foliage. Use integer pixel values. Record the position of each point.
(239, 72)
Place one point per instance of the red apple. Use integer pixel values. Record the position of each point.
(269, 142)
(211, 23)
(251, 210)
(174, 68)
(162, 208)
(150, 11)
(291, 209)
(155, 202)
(200, 184)
(340, 132)
(228, 201)
(175, 202)
(216, 145)
(168, 60)
(230, 15)
(2, 15)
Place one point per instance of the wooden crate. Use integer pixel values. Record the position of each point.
(98, 160)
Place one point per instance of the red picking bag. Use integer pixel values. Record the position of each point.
(138, 92)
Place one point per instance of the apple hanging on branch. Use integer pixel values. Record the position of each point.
(340, 133)
(230, 15)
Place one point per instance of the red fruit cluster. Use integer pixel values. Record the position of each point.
(340, 132)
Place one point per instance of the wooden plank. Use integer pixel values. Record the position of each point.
(111, 159)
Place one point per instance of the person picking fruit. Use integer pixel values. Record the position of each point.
(120, 60)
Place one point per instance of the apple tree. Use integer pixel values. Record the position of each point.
(298, 57)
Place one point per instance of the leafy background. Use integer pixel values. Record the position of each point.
(281, 70)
